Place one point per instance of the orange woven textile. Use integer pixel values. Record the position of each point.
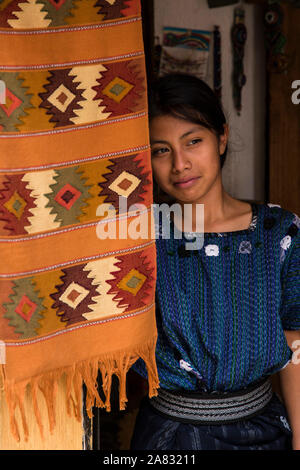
(73, 136)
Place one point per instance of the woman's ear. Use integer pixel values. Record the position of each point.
(223, 140)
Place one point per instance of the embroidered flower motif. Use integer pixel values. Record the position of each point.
(185, 365)
(296, 221)
(286, 242)
(245, 247)
(212, 250)
(189, 236)
(285, 423)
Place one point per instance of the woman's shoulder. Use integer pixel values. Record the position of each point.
(281, 227)
(273, 214)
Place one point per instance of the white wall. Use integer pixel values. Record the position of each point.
(243, 172)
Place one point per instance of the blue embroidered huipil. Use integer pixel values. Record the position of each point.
(222, 310)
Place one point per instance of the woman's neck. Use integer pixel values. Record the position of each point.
(210, 209)
(219, 215)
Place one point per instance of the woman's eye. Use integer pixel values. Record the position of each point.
(159, 151)
(195, 141)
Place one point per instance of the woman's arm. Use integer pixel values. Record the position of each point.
(290, 386)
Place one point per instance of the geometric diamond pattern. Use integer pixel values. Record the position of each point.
(126, 177)
(26, 308)
(125, 184)
(48, 99)
(50, 199)
(67, 196)
(132, 282)
(117, 89)
(16, 205)
(121, 87)
(73, 295)
(61, 98)
(12, 103)
(80, 293)
(18, 101)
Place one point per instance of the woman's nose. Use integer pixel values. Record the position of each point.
(180, 161)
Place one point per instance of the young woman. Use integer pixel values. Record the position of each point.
(228, 314)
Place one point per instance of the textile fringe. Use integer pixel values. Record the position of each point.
(82, 372)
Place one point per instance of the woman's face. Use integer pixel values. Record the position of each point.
(186, 158)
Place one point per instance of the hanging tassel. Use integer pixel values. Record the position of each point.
(34, 389)
(85, 372)
(48, 386)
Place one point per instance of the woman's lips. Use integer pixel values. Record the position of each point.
(186, 183)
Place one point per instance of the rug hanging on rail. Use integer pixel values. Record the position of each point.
(185, 51)
(73, 141)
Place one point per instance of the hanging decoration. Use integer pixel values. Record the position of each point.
(278, 61)
(185, 51)
(217, 63)
(238, 36)
(220, 3)
(295, 3)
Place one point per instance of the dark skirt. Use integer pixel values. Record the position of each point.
(269, 430)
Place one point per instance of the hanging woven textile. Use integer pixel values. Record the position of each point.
(73, 137)
(185, 51)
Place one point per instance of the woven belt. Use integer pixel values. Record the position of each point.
(213, 408)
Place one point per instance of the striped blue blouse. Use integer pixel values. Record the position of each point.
(222, 309)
